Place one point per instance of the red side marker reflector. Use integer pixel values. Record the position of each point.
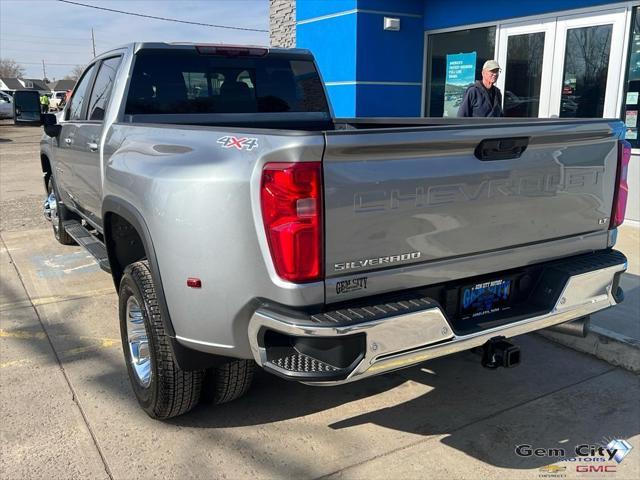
(194, 282)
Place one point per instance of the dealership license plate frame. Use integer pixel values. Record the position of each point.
(486, 298)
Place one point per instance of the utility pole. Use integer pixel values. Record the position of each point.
(93, 42)
(44, 70)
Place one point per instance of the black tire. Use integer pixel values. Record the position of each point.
(62, 214)
(171, 391)
(229, 381)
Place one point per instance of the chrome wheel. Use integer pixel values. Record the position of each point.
(140, 355)
(51, 208)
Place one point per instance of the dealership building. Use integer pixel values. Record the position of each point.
(410, 58)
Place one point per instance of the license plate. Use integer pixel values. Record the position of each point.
(485, 298)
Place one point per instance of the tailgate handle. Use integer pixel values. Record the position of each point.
(501, 148)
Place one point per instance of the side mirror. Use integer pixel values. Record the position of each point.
(50, 124)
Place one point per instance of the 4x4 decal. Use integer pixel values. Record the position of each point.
(241, 143)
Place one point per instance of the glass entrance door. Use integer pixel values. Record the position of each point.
(587, 65)
(566, 66)
(526, 55)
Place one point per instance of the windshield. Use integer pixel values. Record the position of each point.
(165, 82)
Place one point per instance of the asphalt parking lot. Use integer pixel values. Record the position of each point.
(68, 411)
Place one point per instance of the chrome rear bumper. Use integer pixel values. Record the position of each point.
(402, 340)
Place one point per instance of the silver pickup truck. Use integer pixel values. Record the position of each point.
(243, 225)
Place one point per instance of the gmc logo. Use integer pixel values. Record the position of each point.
(596, 468)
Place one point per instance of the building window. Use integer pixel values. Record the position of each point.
(630, 102)
(482, 41)
(523, 82)
(586, 64)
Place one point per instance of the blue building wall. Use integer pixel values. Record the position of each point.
(360, 62)
(372, 72)
(333, 43)
(306, 9)
(388, 101)
(386, 55)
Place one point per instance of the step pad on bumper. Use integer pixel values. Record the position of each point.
(349, 316)
(299, 362)
(589, 262)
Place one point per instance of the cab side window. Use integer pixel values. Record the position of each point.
(74, 112)
(102, 88)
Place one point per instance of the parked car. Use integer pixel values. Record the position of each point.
(249, 227)
(6, 105)
(56, 99)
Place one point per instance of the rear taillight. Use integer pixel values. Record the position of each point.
(291, 201)
(622, 188)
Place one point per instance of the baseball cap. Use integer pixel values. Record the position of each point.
(490, 65)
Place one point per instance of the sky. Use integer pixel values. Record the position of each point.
(60, 33)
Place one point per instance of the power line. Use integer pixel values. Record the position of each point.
(163, 18)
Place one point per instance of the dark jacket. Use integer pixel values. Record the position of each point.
(477, 103)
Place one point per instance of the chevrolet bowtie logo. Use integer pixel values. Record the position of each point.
(552, 469)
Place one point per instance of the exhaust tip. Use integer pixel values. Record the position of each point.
(576, 328)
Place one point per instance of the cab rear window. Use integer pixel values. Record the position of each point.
(166, 82)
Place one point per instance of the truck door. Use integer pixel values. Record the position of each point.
(69, 145)
(87, 158)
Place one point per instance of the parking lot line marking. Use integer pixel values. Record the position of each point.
(22, 334)
(26, 335)
(14, 363)
(38, 302)
(61, 298)
(67, 270)
(105, 343)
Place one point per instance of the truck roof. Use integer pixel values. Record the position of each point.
(137, 46)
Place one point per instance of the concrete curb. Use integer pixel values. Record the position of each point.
(612, 347)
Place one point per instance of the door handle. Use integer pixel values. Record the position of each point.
(501, 148)
(93, 146)
(68, 141)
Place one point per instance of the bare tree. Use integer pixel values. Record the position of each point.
(75, 73)
(10, 68)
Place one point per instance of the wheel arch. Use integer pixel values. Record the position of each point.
(123, 224)
(118, 216)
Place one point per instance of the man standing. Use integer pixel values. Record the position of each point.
(483, 98)
(44, 103)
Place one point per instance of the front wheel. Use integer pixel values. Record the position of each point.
(162, 388)
(56, 213)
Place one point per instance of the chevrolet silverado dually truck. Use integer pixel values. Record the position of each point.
(244, 225)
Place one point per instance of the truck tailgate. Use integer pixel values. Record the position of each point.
(406, 196)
